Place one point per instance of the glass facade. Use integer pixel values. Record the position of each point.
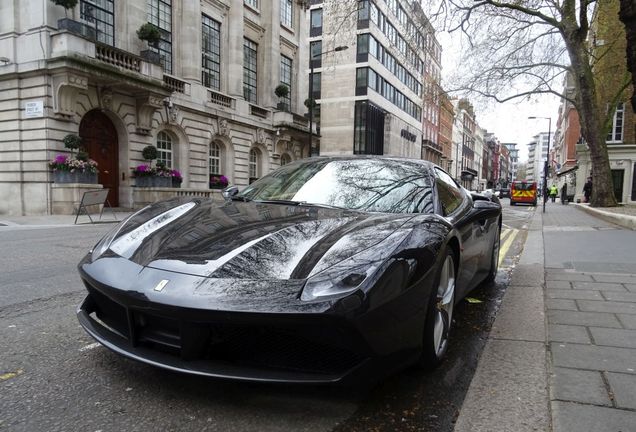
(249, 70)
(211, 53)
(102, 14)
(160, 14)
(164, 148)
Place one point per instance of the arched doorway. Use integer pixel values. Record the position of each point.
(99, 138)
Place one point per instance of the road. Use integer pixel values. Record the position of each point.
(53, 377)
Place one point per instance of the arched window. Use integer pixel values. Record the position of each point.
(215, 159)
(164, 149)
(254, 165)
(285, 159)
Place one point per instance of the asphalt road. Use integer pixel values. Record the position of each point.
(53, 377)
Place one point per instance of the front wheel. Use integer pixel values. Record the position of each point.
(494, 256)
(440, 314)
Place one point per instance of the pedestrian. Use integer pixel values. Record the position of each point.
(587, 189)
(554, 190)
(564, 193)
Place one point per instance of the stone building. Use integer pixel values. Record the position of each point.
(514, 160)
(204, 95)
(464, 127)
(370, 95)
(607, 37)
(445, 137)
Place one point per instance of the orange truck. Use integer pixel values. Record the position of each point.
(523, 191)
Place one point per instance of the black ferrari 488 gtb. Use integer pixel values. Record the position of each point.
(322, 271)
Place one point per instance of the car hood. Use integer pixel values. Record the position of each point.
(239, 240)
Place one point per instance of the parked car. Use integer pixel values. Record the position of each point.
(325, 270)
(504, 193)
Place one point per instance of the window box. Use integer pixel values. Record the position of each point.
(153, 181)
(60, 176)
(151, 56)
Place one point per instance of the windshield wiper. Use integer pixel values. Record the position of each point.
(279, 201)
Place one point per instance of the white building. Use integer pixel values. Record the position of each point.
(537, 154)
(208, 105)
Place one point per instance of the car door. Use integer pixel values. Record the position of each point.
(455, 205)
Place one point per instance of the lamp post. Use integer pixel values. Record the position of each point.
(312, 151)
(547, 157)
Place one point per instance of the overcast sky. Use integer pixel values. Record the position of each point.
(508, 121)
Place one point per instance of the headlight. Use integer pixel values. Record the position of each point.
(331, 284)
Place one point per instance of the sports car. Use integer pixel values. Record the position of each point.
(328, 269)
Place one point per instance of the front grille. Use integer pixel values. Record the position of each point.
(320, 348)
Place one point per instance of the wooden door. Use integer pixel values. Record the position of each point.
(99, 138)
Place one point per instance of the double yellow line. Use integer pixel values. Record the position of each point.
(508, 235)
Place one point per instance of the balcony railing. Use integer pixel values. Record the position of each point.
(221, 99)
(300, 121)
(175, 84)
(117, 57)
(258, 111)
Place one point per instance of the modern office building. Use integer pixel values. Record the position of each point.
(370, 96)
(537, 154)
(514, 160)
(204, 95)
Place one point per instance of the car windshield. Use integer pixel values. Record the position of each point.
(373, 185)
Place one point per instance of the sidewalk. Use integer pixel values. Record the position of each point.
(562, 352)
(59, 220)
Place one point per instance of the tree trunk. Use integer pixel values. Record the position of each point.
(627, 15)
(591, 124)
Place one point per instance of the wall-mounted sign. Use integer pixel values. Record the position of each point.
(408, 135)
(34, 109)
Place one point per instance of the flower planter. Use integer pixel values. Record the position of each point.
(77, 28)
(151, 56)
(153, 181)
(176, 183)
(74, 177)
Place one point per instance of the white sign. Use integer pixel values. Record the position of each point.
(34, 109)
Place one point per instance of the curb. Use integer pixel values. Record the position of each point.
(625, 221)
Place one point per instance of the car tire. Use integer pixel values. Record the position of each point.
(439, 317)
(494, 256)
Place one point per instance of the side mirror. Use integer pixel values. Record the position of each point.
(229, 192)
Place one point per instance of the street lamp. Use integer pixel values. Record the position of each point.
(312, 150)
(547, 157)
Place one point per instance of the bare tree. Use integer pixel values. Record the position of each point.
(519, 49)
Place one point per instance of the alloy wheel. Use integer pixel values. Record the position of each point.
(444, 306)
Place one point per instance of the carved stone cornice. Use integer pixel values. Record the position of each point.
(147, 106)
(66, 87)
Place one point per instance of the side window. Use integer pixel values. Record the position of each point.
(450, 195)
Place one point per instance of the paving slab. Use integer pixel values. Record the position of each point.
(614, 278)
(583, 318)
(579, 386)
(628, 321)
(620, 296)
(561, 304)
(568, 333)
(574, 294)
(599, 286)
(606, 306)
(614, 337)
(624, 389)
(519, 404)
(573, 417)
(572, 277)
(630, 287)
(550, 284)
(593, 357)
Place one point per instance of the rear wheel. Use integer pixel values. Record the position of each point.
(512, 202)
(440, 314)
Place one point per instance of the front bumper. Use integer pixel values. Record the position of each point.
(287, 341)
